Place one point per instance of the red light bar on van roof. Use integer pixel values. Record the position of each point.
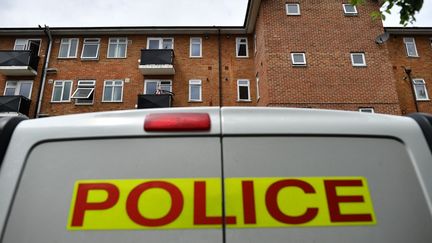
(177, 122)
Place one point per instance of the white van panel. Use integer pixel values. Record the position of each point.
(41, 206)
(401, 210)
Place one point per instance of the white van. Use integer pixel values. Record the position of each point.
(286, 175)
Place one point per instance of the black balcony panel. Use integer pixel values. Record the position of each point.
(146, 101)
(18, 63)
(156, 56)
(16, 103)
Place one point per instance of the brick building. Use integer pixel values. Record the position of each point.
(317, 54)
(410, 52)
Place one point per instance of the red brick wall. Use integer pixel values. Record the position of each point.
(205, 68)
(421, 67)
(7, 43)
(327, 37)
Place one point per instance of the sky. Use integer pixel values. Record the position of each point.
(95, 13)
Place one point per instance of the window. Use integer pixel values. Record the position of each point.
(257, 88)
(160, 43)
(195, 90)
(157, 87)
(292, 9)
(420, 89)
(358, 59)
(367, 110)
(410, 46)
(83, 95)
(117, 47)
(195, 47)
(61, 91)
(23, 88)
(243, 90)
(298, 59)
(113, 91)
(68, 48)
(90, 48)
(28, 44)
(241, 47)
(349, 9)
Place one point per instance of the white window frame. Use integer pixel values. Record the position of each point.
(62, 84)
(192, 43)
(158, 81)
(117, 43)
(16, 84)
(358, 64)
(26, 45)
(84, 84)
(195, 82)
(91, 43)
(243, 85)
(160, 39)
(349, 13)
(294, 63)
(238, 43)
(292, 4)
(255, 43)
(113, 85)
(420, 81)
(257, 87)
(68, 42)
(367, 110)
(407, 41)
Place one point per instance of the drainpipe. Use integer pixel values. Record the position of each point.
(408, 73)
(44, 70)
(220, 67)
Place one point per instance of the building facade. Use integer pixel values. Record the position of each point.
(312, 54)
(411, 55)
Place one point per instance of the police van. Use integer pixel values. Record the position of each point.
(222, 175)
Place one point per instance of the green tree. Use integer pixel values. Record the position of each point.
(409, 8)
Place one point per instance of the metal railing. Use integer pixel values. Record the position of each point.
(19, 58)
(15, 103)
(157, 56)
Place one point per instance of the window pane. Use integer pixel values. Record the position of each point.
(25, 89)
(165, 87)
(153, 44)
(358, 59)
(66, 91)
(411, 49)
(10, 91)
(73, 48)
(63, 50)
(57, 93)
(421, 91)
(117, 93)
(195, 92)
(196, 50)
(151, 87)
(167, 44)
(112, 50)
(242, 50)
(292, 8)
(243, 92)
(349, 8)
(298, 58)
(122, 50)
(108, 93)
(90, 51)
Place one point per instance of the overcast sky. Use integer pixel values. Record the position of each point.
(77, 13)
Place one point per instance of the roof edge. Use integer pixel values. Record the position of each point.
(408, 30)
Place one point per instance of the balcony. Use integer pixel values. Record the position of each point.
(157, 62)
(18, 63)
(15, 103)
(146, 101)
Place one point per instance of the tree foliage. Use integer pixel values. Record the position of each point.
(409, 8)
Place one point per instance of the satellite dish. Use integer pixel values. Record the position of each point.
(382, 38)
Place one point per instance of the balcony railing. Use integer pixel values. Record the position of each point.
(157, 62)
(15, 103)
(18, 63)
(146, 101)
